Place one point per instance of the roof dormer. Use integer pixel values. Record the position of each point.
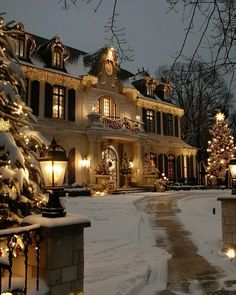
(54, 53)
(25, 44)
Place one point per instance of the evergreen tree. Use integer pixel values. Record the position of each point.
(149, 165)
(19, 144)
(125, 167)
(221, 149)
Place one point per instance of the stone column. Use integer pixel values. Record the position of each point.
(228, 213)
(61, 253)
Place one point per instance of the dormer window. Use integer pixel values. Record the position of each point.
(57, 58)
(20, 47)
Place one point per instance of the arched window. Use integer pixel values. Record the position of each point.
(57, 58)
(106, 107)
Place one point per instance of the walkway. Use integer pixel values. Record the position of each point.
(188, 272)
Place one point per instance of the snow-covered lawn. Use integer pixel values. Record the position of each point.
(120, 251)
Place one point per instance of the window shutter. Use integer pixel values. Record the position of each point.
(48, 100)
(144, 114)
(34, 103)
(71, 105)
(176, 126)
(158, 120)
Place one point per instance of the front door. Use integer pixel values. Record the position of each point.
(111, 158)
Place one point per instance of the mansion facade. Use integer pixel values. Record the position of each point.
(98, 111)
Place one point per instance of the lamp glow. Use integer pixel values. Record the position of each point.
(53, 166)
(230, 253)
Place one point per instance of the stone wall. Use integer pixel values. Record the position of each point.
(61, 254)
(228, 211)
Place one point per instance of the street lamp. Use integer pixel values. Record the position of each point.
(232, 169)
(53, 167)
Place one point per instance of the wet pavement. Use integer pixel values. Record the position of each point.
(188, 272)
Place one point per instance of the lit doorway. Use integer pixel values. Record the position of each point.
(110, 156)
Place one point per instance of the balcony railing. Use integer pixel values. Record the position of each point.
(120, 122)
(15, 243)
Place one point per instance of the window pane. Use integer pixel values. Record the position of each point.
(58, 109)
(150, 121)
(106, 107)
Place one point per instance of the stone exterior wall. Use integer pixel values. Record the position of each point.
(228, 209)
(61, 256)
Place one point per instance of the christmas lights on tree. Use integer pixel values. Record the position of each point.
(19, 147)
(149, 165)
(220, 149)
(125, 167)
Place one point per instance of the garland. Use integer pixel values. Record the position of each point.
(120, 123)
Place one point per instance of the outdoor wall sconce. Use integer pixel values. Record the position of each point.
(131, 164)
(53, 166)
(232, 169)
(85, 162)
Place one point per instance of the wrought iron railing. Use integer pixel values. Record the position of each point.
(28, 236)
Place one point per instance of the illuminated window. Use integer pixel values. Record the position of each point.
(150, 121)
(106, 107)
(58, 109)
(20, 47)
(57, 58)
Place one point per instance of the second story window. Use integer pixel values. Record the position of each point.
(57, 59)
(58, 104)
(150, 121)
(168, 124)
(107, 107)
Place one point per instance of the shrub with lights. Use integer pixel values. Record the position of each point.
(221, 150)
(20, 146)
(160, 183)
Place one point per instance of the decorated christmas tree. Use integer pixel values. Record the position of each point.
(220, 149)
(125, 167)
(19, 145)
(102, 167)
(149, 166)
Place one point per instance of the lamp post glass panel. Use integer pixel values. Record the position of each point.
(232, 169)
(53, 166)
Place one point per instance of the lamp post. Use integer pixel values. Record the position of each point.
(232, 169)
(53, 167)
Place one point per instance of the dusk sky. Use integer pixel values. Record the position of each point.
(154, 34)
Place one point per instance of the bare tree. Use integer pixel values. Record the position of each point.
(201, 94)
(213, 24)
(115, 33)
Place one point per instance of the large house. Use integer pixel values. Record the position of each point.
(100, 113)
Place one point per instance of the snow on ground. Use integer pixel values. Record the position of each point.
(120, 251)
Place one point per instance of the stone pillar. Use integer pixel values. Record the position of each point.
(61, 253)
(228, 213)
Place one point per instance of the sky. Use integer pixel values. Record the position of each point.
(151, 32)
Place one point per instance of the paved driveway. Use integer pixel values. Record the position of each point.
(188, 272)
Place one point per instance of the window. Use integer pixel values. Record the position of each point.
(168, 124)
(20, 47)
(57, 59)
(107, 107)
(150, 121)
(58, 104)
